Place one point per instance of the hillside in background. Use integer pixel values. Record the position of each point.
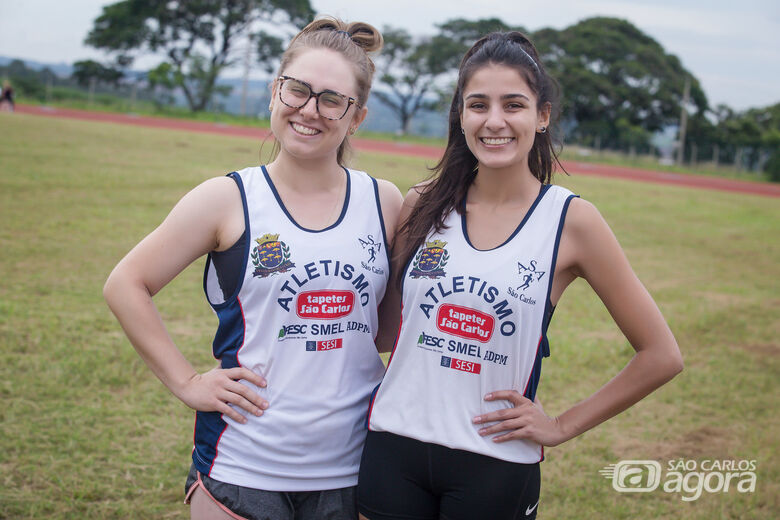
(380, 118)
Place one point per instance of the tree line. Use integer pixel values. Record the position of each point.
(619, 86)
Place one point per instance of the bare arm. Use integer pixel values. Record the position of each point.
(201, 221)
(390, 308)
(391, 200)
(590, 250)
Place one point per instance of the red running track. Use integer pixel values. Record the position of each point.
(428, 152)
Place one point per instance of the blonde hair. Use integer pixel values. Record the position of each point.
(353, 41)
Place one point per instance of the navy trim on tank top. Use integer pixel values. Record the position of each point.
(542, 190)
(543, 349)
(382, 224)
(228, 340)
(549, 308)
(241, 268)
(289, 216)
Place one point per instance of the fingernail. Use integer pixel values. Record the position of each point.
(477, 419)
(264, 405)
(258, 412)
(489, 396)
(483, 432)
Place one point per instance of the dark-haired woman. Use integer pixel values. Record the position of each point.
(294, 277)
(484, 252)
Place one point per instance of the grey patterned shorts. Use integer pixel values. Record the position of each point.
(256, 504)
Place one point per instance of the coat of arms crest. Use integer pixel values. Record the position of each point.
(429, 262)
(270, 256)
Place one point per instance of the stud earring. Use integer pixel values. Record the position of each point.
(543, 130)
(462, 131)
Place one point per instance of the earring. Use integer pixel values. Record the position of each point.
(352, 130)
(462, 131)
(543, 130)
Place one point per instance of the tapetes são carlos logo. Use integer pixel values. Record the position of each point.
(429, 262)
(270, 256)
(528, 274)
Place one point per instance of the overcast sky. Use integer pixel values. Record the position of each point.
(732, 47)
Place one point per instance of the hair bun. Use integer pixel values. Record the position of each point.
(365, 36)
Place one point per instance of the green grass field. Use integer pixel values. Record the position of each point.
(86, 430)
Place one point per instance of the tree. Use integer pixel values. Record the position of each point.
(411, 67)
(197, 37)
(457, 35)
(89, 71)
(772, 165)
(162, 82)
(454, 38)
(269, 49)
(408, 68)
(610, 71)
(26, 82)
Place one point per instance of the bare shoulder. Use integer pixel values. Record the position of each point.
(217, 196)
(423, 186)
(414, 193)
(213, 207)
(389, 194)
(588, 245)
(583, 220)
(219, 189)
(390, 199)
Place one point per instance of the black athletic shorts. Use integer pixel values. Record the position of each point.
(405, 479)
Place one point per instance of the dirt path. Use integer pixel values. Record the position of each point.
(428, 152)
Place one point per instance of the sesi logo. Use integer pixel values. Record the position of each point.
(328, 344)
(461, 364)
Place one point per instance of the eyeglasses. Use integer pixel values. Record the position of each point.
(330, 104)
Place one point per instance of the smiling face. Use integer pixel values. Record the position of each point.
(500, 117)
(302, 132)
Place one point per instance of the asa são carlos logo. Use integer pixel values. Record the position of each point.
(270, 256)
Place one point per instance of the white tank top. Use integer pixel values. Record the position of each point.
(304, 317)
(473, 321)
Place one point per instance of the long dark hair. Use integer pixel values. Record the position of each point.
(457, 169)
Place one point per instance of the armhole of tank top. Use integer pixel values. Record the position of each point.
(382, 225)
(237, 178)
(548, 306)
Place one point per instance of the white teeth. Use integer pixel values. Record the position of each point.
(305, 130)
(496, 140)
